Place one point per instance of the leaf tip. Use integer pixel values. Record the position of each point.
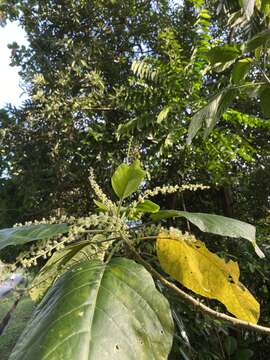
(258, 251)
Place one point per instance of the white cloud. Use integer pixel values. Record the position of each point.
(10, 91)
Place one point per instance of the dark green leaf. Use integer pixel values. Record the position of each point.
(215, 224)
(126, 127)
(23, 234)
(148, 206)
(227, 97)
(244, 354)
(210, 114)
(57, 265)
(265, 101)
(223, 54)
(99, 311)
(127, 178)
(230, 345)
(260, 39)
(253, 90)
(240, 70)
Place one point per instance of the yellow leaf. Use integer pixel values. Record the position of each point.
(206, 274)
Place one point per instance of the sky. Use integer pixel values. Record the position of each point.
(10, 90)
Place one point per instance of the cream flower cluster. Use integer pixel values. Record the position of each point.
(81, 229)
(176, 234)
(100, 194)
(169, 189)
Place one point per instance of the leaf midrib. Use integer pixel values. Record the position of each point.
(91, 317)
(93, 311)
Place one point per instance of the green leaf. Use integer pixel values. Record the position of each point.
(230, 345)
(126, 128)
(57, 265)
(244, 354)
(265, 6)
(163, 114)
(223, 54)
(220, 67)
(265, 101)
(260, 39)
(215, 224)
(240, 70)
(99, 311)
(148, 206)
(210, 114)
(227, 97)
(100, 205)
(127, 178)
(24, 234)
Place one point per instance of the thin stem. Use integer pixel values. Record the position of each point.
(114, 250)
(95, 231)
(129, 148)
(119, 207)
(185, 209)
(153, 237)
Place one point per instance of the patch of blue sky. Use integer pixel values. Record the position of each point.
(11, 91)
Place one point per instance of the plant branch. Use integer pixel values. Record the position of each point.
(197, 304)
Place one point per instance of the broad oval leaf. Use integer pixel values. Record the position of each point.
(99, 311)
(203, 272)
(240, 70)
(215, 224)
(147, 206)
(24, 234)
(127, 178)
(223, 53)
